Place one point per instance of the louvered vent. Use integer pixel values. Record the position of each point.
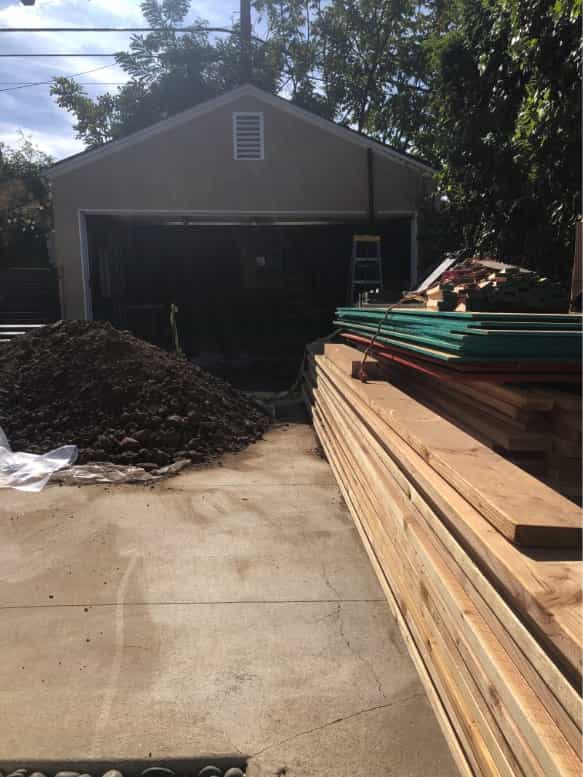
(248, 135)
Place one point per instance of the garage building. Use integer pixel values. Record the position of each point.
(240, 211)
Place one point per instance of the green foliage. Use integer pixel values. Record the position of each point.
(27, 163)
(358, 62)
(25, 204)
(506, 117)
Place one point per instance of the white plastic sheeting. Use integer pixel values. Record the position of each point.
(87, 474)
(30, 471)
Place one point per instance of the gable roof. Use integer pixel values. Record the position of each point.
(113, 146)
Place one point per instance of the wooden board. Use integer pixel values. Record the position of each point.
(453, 368)
(541, 746)
(525, 511)
(384, 442)
(466, 347)
(508, 434)
(452, 683)
(419, 657)
(478, 316)
(520, 398)
(546, 592)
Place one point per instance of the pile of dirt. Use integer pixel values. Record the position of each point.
(117, 398)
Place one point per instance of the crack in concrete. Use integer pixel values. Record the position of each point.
(355, 652)
(330, 723)
(327, 580)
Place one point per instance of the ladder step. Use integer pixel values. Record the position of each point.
(366, 261)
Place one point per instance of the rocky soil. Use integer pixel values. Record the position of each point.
(117, 398)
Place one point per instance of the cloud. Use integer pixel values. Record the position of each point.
(56, 144)
(32, 109)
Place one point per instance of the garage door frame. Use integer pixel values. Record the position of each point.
(223, 217)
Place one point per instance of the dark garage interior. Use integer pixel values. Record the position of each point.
(249, 296)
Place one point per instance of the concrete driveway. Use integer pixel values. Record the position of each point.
(230, 610)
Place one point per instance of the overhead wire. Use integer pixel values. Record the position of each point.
(24, 84)
(50, 83)
(63, 54)
(119, 29)
(226, 30)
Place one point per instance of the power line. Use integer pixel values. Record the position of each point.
(62, 55)
(23, 84)
(50, 83)
(71, 75)
(42, 83)
(119, 29)
(225, 30)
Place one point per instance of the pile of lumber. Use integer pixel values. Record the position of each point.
(479, 561)
(478, 284)
(538, 429)
(479, 341)
(564, 465)
(500, 402)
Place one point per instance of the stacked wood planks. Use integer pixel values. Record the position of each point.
(479, 562)
(538, 429)
(494, 347)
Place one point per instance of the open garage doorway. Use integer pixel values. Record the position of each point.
(249, 295)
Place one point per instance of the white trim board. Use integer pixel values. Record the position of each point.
(87, 157)
(220, 215)
(85, 268)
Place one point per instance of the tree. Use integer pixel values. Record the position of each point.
(505, 111)
(25, 206)
(354, 61)
(170, 71)
(358, 62)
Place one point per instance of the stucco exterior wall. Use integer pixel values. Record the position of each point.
(191, 168)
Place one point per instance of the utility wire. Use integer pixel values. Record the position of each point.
(118, 29)
(62, 55)
(50, 83)
(39, 83)
(23, 84)
(226, 30)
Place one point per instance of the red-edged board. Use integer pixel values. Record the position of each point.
(500, 372)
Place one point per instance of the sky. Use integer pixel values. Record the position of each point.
(32, 110)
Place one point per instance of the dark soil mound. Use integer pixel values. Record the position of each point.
(118, 398)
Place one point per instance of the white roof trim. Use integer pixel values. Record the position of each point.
(100, 152)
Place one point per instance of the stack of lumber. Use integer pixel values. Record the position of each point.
(564, 465)
(479, 562)
(498, 402)
(471, 342)
(538, 429)
(478, 284)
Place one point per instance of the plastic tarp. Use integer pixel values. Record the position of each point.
(31, 471)
(104, 472)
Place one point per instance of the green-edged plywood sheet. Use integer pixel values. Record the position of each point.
(514, 347)
(466, 335)
(473, 316)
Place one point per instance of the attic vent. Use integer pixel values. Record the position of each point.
(248, 135)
